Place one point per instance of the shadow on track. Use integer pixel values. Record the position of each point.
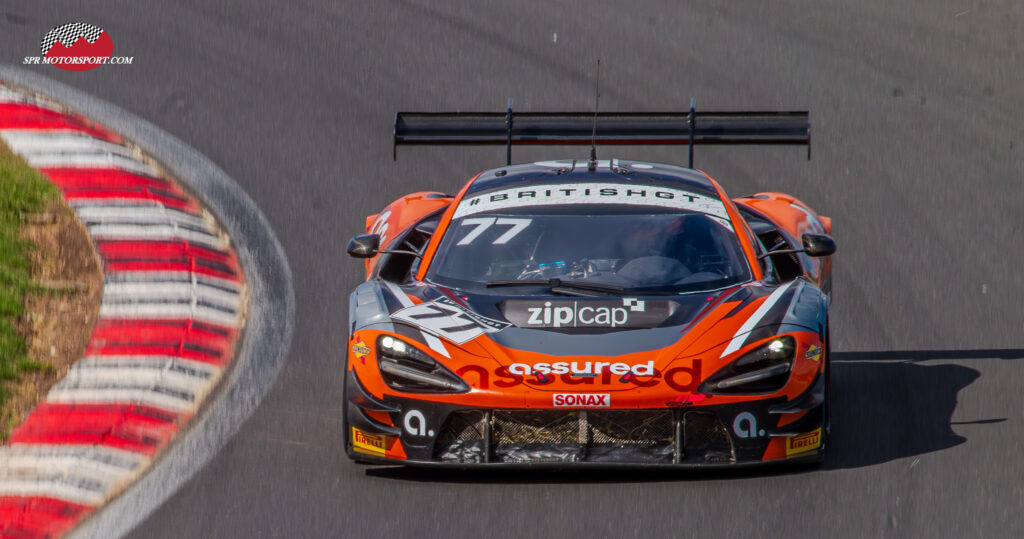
(886, 406)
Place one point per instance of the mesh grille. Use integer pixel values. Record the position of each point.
(583, 436)
(462, 439)
(559, 436)
(631, 427)
(537, 427)
(705, 438)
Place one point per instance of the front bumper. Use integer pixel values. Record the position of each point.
(393, 430)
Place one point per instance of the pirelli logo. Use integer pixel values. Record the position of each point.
(803, 443)
(368, 443)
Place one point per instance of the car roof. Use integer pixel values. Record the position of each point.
(577, 171)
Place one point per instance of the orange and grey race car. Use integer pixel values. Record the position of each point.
(593, 312)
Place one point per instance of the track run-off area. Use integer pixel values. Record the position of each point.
(917, 158)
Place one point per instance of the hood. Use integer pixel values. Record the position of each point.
(619, 343)
(560, 325)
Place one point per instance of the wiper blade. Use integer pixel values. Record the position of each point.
(558, 286)
(516, 283)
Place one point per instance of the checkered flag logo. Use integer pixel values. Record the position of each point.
(633, 304)
(68, 34)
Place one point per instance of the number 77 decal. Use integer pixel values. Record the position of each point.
(483, 223)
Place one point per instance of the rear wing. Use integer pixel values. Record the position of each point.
(586, 128)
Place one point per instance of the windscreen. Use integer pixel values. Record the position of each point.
(638, 248)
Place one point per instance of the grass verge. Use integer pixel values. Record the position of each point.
(23, 191)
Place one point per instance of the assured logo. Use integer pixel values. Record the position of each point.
(581, 400)
(803, 443)
(813, 353)
(616, 313)
(681, 378)
(371, 444)
(415, 423)
(77, 46)
(586, 369)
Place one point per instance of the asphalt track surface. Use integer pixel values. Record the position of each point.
(917, 158)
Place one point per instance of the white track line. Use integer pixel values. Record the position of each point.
(194, 369)
(171, 277)
(172, 382)
(200, 313)
(155, 233)
(154, 292)
(96, 214)
(31, 142)
(157, 397)
(11, 96)
(90, 161)
(95, 457)
(84, 474)
(54, 484)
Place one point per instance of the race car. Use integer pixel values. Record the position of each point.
(591, 312)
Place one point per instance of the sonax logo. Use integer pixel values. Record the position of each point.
(77, 46)
(581, 400)
(368, 443)
(804, 442)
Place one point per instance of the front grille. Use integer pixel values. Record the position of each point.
(462, 439)
(539, 436)
(705, 438)
(627, 436)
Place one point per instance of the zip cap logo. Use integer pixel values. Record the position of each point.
(576, 316)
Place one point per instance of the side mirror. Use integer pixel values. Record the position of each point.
(364, 246)
(819, 244)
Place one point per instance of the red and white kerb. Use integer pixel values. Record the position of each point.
(172, 308)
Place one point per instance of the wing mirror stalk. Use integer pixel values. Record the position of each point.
(814, 245)
(368, 246)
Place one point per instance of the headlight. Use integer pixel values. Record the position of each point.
(763, 370)
(405, 368)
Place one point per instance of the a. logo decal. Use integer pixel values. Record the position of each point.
(370, 444)
(803, 443)
(581, 400)
(745, 426)
(445, 318)
(813, 353)
(416, 424)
